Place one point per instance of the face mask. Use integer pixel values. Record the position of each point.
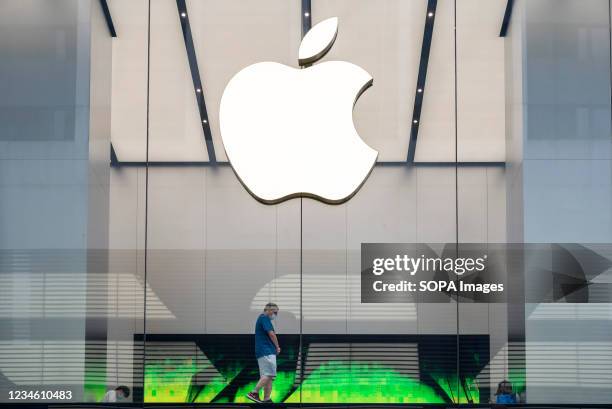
(272, 317)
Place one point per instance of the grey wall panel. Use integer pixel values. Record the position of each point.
(44, 104)
(384, 211)
(559, 180)
(175, 247)
(583, 187)
(126, 273)
(284, 289)
(325, 296)
(480, 81)
(473, 318)
(576, 339)
(436, 205)
(437, 128)
(438, 318)
(482, 205)
(496, 206)
(498, 344)
(384, 38)
(242, 254)
(567, 81)
(44, 203)
(472, 205)
(45, 109)
(395, 205)
(55, 109)
(127, 208)
(177, 208)
(385, 208)
(175, 130)
(230, 35)
(130, 78)
(97, 295)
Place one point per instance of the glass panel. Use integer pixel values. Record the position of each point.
(566, 159)
(153, 272)
(558, 65)
(215, 255)
(57, 289)
(481, 197)
(388, 352)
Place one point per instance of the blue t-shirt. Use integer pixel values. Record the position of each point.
(505, 398)
(263, 344)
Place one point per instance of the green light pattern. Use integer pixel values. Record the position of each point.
(361, 382)
(280, 388)
(517, 378)
(332, 382)
(212, 389)
(217, 384)
(94, 386)
(472, 389)
(168, 380)
(454, 390)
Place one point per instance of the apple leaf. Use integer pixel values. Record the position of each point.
(318, 41)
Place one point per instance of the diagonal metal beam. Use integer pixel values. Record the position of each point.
(195, 75)
(430, 18)
(507, 17)
(108, 17)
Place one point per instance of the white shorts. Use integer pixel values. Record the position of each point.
(267, 365)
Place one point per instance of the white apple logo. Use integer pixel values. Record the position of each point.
(289, 132)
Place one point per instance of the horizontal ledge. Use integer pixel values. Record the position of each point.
(118, 164)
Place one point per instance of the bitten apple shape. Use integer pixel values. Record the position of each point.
(289, 132)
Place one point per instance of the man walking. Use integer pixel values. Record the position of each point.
(266, 349)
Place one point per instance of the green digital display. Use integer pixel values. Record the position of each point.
(360, 382)
(169, 380)
(330, 369)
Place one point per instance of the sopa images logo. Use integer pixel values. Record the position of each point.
(289, 132)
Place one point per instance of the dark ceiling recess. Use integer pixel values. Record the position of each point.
(195, 75)
(430, 18)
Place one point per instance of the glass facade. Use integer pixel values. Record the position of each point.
(147, 267)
